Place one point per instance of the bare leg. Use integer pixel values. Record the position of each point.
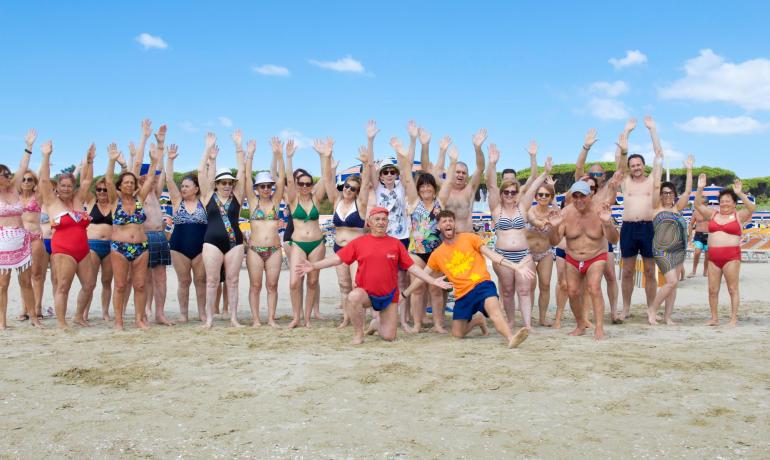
(357, 300)
(106, 280)
(212, 261)
(272, 273)
(436, 296)
(159, 294)
(85, 296)
(345, 281)
(65, 268)
(732, 271)
(695, 259)
(255, 267)
(714, 282)
(28, 296)
(233, 263)
(574, 282)
(315, 255)
(86, 271)
(39, 268)
(627, 284)
(612, 288)
(524, 293)
(561, 291)
(5, 281)
(182, 267)
(120, 274)
(505, 283)
(199, 281)
(544, 273)
(139, 283)
(404, 305)
(594, 276)
(650, 281)
(295, 286)
(672, 278)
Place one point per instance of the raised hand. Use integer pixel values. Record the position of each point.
(238, 139)
(211, 140)
(213, 152)
(275, 145)
(156, 154)
(146, 128)
(442, 283)
(479, 138)
(121, 161)
(412, 129)
(649, 122)
(701, 180)
(494, 154)
(132, 149)
(424, 136)
(622, 142)
(453, 153)
(444, 143)
(548, 165)
(91, 153)
(737, 186)
(630, 125)
(689, 162)
(363, 154)
(113, 152)
(173, 151)
(290, 148)
(532, 148)
(590, 139)
(322, 147)
(371, 129)
(616, 178)
(335, 163)
(550, 180)
(251, 147)
(604, 213)
(555, 218)
(160, 136)
(29, 139)
(46, 148)
(395, 142)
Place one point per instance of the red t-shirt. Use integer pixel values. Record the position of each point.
(379, 259)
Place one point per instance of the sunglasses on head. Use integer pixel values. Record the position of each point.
(510, 192)
(100, 190)
(266, 186)
(544, 195)
(389, 172)
(350, 187)
(304, 184)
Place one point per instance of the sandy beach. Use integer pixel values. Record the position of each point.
(684, 391)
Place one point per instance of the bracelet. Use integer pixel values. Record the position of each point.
(624, 152)
(586, 147)
(28, 151)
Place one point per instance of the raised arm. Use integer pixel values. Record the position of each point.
(240, 164)
(652, 127)
(532, 151)
(492, 188)
(324, 149)
(478, 141)
(146, 132)
(744, 215)
(280, 185)
(248, 178)
(619, 159)
(684, 198)
(156, 156)
(29, 140)
(413, 131)
(207, 167)
(173, 190)
(112, 156)
(555, 218)
(425, 164)
(291, 187)
(622, 159)
(45, 186)
(330, 182)
(580, 164)
(366, 166)
(407, 181)
(438, 169)
(446, 187)
(371, 133)
(88, 175)
(608, 226)
(704, 210)
(657, 172)
(526, 201)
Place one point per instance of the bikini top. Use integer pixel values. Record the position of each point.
(299, 213)
(259, 214)
(98, 218)
(517, 222)
(352, 219)
(198, 216)
(32, 205)
(731, 228)
(121, 217)
(71, 219)
(11, 210)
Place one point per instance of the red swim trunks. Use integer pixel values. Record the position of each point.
(584, 265)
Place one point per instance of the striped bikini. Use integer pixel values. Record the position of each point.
(517, 222)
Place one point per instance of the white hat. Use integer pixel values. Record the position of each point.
(224, 174)
(264, 177)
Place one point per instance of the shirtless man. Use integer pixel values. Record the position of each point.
(587, 226)
(637, 232)
(158, 247)
(457, 192)
(462, 257)
(700, 224)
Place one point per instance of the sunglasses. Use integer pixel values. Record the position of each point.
(510, 192)
(595, 174)
(304, 184)
(226, 182)
(101, 190)
(666, 193)
(6, 174)
(544, 195)
(389, 172)
(265, 186)
(578, 196)
(351, 188)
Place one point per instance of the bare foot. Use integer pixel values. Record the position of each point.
(307, 325)
(405, 326)
(2, 327)
(481, 322)
(235, 323)
(63, 325)
(670, 322)
(183, 319)
(294, 323)
(273, 324)
(256, 324)
(22, 317)
(557, 324)
(119, 326)
(713, 322)
(357, 340)
(599, 334)
(617, 320)
(81, 322)
(316, 314)
(439, 330)
(142, 325)
(37, 323)
(578, 331)
(344, 323)
(413, 330)
(733, 322)
(207, 325)
(148, 312)
(163, 320)
(373, 326)
(545, 323)
(517, 338)
(652, 318)
(691, 275)
(106, 317)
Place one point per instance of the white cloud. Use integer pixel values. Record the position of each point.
(226, 122)
(188, 126)
(271, 69)
(151, 41)
(633, 57)
(709, 78)
(300, 140)
(346, 64)
(613, 89)
(607, 109)
(672, 156)
(726, 125)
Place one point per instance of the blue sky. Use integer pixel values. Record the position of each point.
(79, 73)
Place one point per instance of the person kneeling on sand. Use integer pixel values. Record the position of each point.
(379, 258)
(461, 257)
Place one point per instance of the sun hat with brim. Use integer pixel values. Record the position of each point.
(580, 187)
(224, 174)
(386, 165)
(264, 177)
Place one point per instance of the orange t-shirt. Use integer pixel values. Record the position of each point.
(461, 262)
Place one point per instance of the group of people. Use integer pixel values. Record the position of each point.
(410, 236)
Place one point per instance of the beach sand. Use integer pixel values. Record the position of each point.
(675, 391)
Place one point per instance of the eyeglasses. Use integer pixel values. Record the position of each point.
(351, 188)
(267, 186)
(101, 190)
(510, 192)
(389, 172)
(544, 195)
(596, 174)
(226, 182)
(304, 184)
